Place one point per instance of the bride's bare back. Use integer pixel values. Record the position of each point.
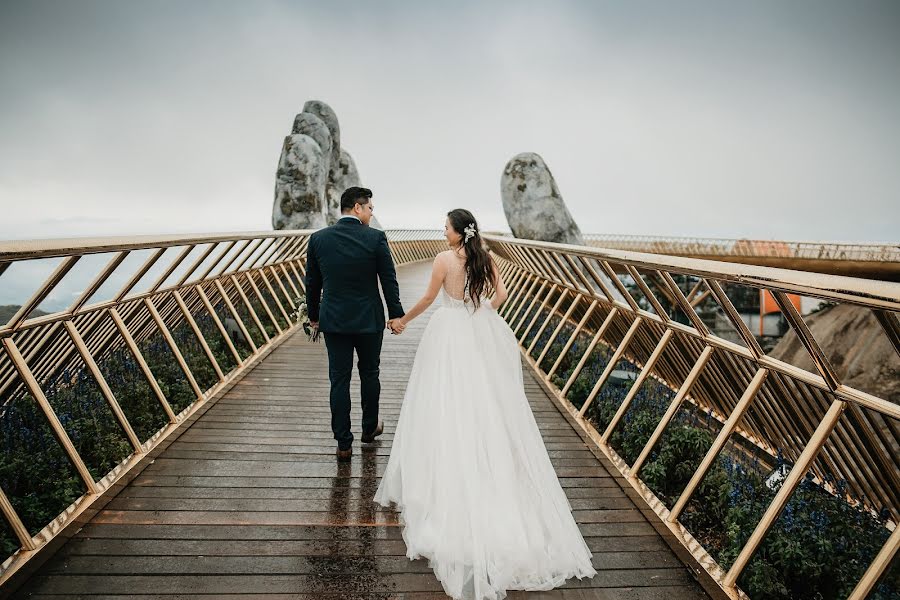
(449, 273)
(454, 273)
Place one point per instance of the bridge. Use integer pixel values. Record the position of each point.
(871, 261)
(167, 432)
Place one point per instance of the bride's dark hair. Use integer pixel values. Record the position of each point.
(479, 271)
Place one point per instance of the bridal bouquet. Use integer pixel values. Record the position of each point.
(302, 316)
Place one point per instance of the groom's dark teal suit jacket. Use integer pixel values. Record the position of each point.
(344, 263)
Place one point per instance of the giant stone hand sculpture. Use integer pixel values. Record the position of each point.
(533, 205)
(313, 172)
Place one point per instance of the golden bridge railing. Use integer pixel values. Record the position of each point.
(825, 427)
(245, 284)
(721, 247)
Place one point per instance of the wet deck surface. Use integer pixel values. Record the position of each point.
(249, 502)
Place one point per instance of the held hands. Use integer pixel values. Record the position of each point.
(396, 326)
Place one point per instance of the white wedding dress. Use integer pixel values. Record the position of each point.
(468, 470)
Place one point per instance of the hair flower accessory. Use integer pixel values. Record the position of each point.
(469, 231)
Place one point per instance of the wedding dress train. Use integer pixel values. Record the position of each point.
(468, 470)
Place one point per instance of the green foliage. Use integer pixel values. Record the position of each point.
(640, 420)
(672, 467)
(819, 547)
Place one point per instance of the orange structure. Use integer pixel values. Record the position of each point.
(768, 305)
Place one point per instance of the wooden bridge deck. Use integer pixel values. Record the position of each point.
(249, 501)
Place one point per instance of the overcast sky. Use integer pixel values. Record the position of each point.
(721, 119)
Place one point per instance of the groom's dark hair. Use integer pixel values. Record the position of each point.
(354, 195)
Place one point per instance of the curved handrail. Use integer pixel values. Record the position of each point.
(748, 247)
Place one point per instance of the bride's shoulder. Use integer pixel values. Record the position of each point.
(440, 258)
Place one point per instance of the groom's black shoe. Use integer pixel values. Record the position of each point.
(344, 455)
(368, 438)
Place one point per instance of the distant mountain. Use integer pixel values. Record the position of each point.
(8, 310)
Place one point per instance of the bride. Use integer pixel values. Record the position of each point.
(468, 470)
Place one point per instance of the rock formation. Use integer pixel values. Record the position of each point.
(313, 172)
(533, 205)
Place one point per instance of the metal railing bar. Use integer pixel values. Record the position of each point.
(199, 335)
(648, 294)
(15, 523)
(623, 291)
(878, 567)
(167, 335)
(220, 326)
(587, 353)
(105, 390)
(554, 288)
(98, 281)
(251, 258)
(196, 264)
(734, 317)
(234, 258)
(234, 315)
(176, 262)
(682, 303)
(240, 291)
(142, 363)
(537, 335)
(263, 303)
(572, 338)
(562, 323)
(531, 306)
(646, 370)
(673, 408)
(604, 289)
(139, 274)
(614, 359)
(219, 259)
(891, 326)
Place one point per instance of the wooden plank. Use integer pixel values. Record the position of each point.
(657, 593)
(326, 581)
(294, 468)
(337, 513)
(643, 548)
(310, 562)
(314, 482)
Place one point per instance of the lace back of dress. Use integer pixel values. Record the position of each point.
(455, 280)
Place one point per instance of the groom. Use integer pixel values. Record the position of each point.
(347, 260)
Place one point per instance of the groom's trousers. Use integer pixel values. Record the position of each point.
(340, 367)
